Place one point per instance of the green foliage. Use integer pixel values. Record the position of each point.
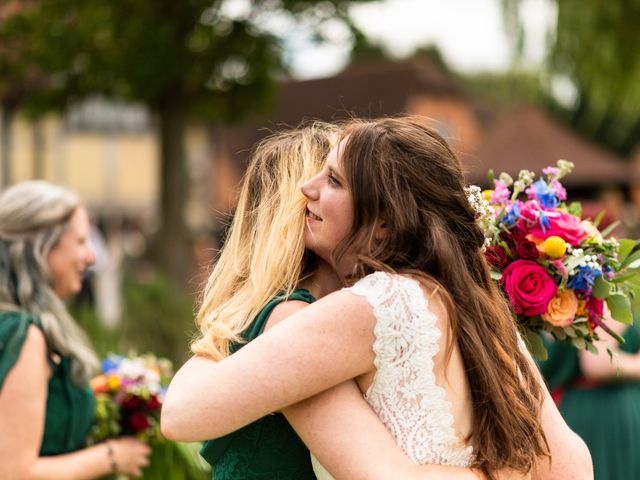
(176, 461)
(595, 46)
(156, 319)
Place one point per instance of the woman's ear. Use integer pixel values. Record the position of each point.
(380, 230)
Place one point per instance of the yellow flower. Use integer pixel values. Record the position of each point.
(562, 309)
(113, 381)
(486, 195)
(554, 246)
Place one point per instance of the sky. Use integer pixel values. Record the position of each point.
(469, 33)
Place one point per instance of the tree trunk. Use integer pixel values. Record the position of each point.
(38, 149)
(173, 245)
(5, 146)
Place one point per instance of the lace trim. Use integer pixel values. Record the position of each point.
(404, 393)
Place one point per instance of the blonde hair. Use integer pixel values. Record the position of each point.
(264, 252)
(33, 217)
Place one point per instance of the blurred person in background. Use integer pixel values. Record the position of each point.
(599, 397)
(46, 404)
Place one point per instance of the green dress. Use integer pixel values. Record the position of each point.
(70, 410)
(267, 449)
(606, 416)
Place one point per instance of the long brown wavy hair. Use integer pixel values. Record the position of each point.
(402, 172)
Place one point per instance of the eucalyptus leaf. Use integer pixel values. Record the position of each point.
(626, 246)
(620, 308)
(560, 334)
(601, 288)
(632, 261)
(536, 345)
(625, 276)
(598, 219)
(579, 343)
(592, 348)
(575, 208)
(607, 231)
(570, 331)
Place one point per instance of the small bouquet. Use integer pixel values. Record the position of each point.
(556, 268)
(129, 395)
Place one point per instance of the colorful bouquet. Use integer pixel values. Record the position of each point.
(129, 395)
(557, 269)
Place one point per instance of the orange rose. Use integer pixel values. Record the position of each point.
(562, 309)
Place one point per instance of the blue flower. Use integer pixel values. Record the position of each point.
(544, 193)
(584, 278)
(511, 217)
(111, 363)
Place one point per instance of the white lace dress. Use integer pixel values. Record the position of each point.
(404, 393)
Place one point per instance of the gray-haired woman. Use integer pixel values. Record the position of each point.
(46, 405)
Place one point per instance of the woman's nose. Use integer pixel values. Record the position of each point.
(309, 189)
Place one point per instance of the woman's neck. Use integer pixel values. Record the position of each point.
(322, 281)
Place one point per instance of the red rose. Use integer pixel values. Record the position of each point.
(138, 422)
(595, 307)
(132, 402)
(496, 256)
(526, 249)
(529, 287)
(153, 403)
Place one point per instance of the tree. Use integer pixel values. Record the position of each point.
(595, 45)
(183, 59)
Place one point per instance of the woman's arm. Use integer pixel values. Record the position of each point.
(600, 366)
(22, 412)
(316, 348)
(350, 441)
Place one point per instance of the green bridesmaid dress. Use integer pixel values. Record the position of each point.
(70, 409)
(267, 449)
(605, 415)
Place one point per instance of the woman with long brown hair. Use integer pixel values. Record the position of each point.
(422, 328)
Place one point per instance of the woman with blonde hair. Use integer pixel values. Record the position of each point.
(369, 219)
(46, 405)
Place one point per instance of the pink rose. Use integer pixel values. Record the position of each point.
(529, 287)
(564, 225)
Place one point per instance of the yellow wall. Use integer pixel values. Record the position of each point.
(109, 171)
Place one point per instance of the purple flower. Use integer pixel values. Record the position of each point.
(557, 187)
(500, 193)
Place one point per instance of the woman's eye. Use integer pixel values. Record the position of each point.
(332, 180)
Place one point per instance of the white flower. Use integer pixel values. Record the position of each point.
(506, 179)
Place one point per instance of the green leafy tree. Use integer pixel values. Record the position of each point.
(187, 59)
(594, 45)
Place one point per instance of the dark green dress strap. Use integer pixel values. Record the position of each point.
(13, 333)
(267, 448)
(70, 408)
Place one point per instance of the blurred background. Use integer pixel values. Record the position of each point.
(149, 109)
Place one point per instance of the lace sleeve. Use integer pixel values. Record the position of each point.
(404, 393)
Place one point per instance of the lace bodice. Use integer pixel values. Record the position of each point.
(404, 393)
